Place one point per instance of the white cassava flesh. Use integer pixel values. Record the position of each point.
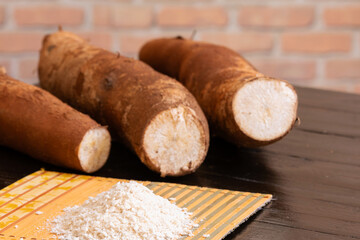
(174, 141)
(94, 149)
(263, 108)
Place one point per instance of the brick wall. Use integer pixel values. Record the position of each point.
(308, 42)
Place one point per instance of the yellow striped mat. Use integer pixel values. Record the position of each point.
(28, 205)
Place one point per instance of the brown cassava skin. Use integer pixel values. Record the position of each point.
(35, 122)
(121, 92)
(213, 74)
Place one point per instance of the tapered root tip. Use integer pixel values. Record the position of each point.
(175, 142)
(2, 70)
(265, 109)
(94, 149)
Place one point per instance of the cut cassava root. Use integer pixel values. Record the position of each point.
(185, 137)
(241, 104)
(154, 115)
(37, 123)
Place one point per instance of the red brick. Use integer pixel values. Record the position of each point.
(316, 42)
(2, 14)
(284, 16)
(342, 16)
(356, 88)
(122, 16)
(114, 1)
(103, 40)
(20, 42)
(28, 69)
(130, 44)
(241, 42)
(343, 69)
(297, 71)
(176, 1)
(191, 16)
(48, 16)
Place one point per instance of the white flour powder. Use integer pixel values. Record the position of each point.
(127, 211)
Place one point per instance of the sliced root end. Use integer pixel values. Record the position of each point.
(265, 109)
(94, 149)
(175, 142)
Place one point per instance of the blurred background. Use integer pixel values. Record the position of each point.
(313, 43)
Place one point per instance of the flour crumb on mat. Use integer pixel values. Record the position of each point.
(16, 226)
(38, 212)
(129, 210)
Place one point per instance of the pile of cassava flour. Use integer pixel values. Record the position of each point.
(127, 211)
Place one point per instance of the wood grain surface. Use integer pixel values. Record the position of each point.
(313, 173)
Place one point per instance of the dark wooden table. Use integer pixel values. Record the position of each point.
(313, 173)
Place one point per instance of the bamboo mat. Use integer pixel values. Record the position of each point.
(28, 205)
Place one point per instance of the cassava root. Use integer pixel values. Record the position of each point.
(154, 115)
(37, 123)
(241, 104)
